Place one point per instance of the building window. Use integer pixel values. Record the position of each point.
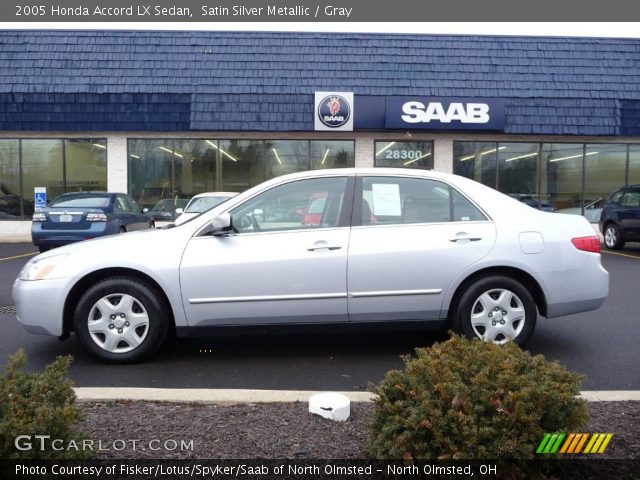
(633, 178)
(476, 160)
(10, 195)
(85, 165)
(404, 154)
(59, 165)
(164, 168)
(242, 164)
(332, 154)
(565, 177)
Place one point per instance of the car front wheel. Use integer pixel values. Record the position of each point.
(612, 238)
(496, 309)
(121, 320)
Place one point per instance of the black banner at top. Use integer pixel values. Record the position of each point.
(314, 11)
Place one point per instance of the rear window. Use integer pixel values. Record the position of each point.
(81, 201)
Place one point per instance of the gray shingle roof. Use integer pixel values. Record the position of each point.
(167, 81)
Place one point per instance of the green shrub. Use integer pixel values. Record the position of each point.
(474, 400)
(38, 404)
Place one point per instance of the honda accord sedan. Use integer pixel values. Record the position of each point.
(443, 251)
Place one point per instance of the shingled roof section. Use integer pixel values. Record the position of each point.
(181, 81)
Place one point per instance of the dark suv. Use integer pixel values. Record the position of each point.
(620, 218)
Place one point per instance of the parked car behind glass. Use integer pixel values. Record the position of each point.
(201, 203)
(72, 217)
(620, 218)
(166, 209)
(388, 246)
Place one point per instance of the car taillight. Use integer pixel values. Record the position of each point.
(39, 217)
(588, 244)
(96, 217)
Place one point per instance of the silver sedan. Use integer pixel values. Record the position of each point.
(348, 247)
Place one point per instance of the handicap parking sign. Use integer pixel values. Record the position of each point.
(40, 198)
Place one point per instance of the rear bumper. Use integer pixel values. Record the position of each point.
(39, 304)
(41, 237)
(575, 291)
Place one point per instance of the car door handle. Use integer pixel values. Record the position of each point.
(465, 237)
(323, 246)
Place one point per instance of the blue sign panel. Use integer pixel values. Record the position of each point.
(444, 113)
(39, 198)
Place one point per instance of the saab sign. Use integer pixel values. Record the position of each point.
(334, 111)
(438, 113)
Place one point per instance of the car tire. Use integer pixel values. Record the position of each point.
(612, 237)
(481, 312)
(122, 230)
(152, 225)
(121, 320)
(43, 249)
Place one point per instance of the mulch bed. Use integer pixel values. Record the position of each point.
(283, 430)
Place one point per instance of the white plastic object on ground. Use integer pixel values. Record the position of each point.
(334, 406)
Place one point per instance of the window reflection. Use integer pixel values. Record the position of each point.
(634, 165)
(404, 154)
(332, 154)
(242, 164)
(86, 164)
(476, 160)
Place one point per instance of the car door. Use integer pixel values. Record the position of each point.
(410, 239)
(629, 213)
(141, 220)
(272, 268)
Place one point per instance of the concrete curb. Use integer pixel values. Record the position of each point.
(204, 395)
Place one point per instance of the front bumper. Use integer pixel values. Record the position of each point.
(40, 304)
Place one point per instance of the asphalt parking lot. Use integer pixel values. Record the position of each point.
(602, 344)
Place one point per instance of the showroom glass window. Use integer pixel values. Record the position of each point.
(242, 164)
(10, 204)
(404, 154)
(85, 164)
(518, 169)
(194, 166)
(605, 166)
(561, 172)
(332, 154)
(633, 177)
(151, 171)
(476, 160)
(285, 156)
(42, 166)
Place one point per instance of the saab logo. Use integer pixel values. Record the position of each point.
(574, 443)
(334, 111)
(417, 112)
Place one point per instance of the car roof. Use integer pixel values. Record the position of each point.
(216, 194)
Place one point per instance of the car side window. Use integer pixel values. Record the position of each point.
(299, 205)
(122, 204)
(397, 200)
(631, 199)
(617, 197)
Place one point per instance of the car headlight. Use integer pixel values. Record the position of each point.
(40, 268)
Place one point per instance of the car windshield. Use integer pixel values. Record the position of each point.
(202, 204)
(81, 201)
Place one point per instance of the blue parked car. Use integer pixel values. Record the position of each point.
(620, 218)
(73, 217)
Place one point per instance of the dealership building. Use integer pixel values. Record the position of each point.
(552, 121)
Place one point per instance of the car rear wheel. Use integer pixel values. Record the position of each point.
(496, 309)
(612, 238)
(122, 230)
(121, 320)
(42, 249)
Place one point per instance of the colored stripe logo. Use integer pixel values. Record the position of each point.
(573, 443)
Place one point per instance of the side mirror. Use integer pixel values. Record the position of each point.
(145, 210)
(179, 211)
(221, 224)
